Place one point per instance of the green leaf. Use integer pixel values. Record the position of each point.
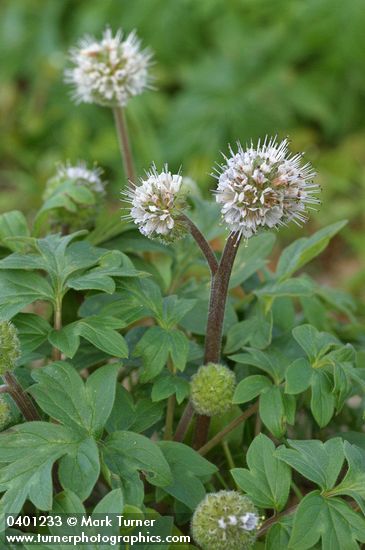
(112, 503)
(81, 194)
(315, 312)
(156, 346)
(27, 454)
(250, 387)
(302, 251)
(122, 415)
(272, 362)
(339, 300)
(33, 331)
(112, 264)
(251, 258)
(317, 461)
(187, 467)
(13, 224)
(298, 376)
(267, 481)
(79, 470)
(40, 489)
(62, 257)
(121, 305)
(322, 400)
(147, 414)
(289, 287)
(278, 535)
(284, 313)
(272, 410)
(67, 262)
(100, 393)
(153, 347)
(90, 281)
(66, 340)
(99, 331)
(18, 289)
(23, 262)
(169, 384)
(353, 484)
(355, 438)
(290, 405)
(67, 503)
(133, 489)
(195, 321)
(315, 344)
(148, 294)
(308, 523)
(179, 349)
(127, 452)
(257, 331)
(126, 415)
(173, 310)
(330, 520)
(96, 331)
(61, 393)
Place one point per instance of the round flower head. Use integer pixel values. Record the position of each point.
(225, 520)
(75, 209)
(212, 388)
(157, 204)
(80, 175)
(9, 346)
(109, 72)
(264, 187)
(5, 413)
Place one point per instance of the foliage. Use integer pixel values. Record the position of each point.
(274, 339)
(113, 326)
(225, 69)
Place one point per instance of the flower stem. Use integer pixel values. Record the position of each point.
(218, 298)
(227, 452)
(57, 325)
(298, 493)
(217, 306)
(184, 423)
(229, 428)
(269, 522)
(213, 341)
(169, 424)
(202, 243)
(171, 402)
(221, 480)
(124, 143)
(20, 397)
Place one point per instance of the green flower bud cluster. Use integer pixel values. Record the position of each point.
(225, 520)
(212, 389)
(9, 346)
(5, 414)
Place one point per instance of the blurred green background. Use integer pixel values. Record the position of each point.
(224, 70)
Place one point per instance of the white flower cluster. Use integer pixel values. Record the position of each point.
(156, 204)
(248, 521)
(78, 174)
(81, 175)
(264, 186)
(260, 187)
(109, 72)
